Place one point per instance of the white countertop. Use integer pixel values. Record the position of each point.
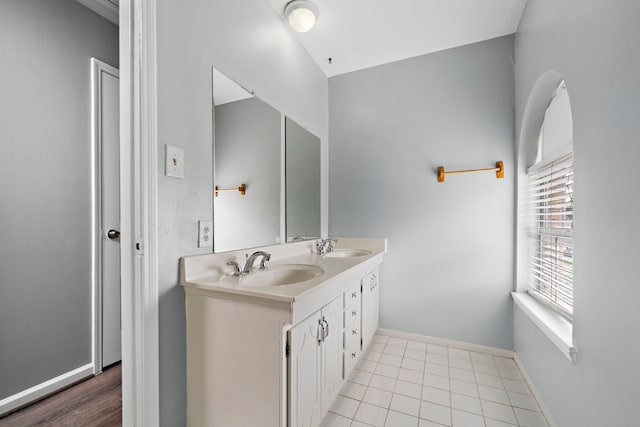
(210, 272)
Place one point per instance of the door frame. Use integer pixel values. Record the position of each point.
(138, 213)
(97, 68)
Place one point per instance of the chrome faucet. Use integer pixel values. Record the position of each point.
(325, 246)
(248, 267)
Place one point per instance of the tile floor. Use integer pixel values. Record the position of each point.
(400, 383)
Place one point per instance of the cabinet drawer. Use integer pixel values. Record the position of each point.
(351, 314)
(351, 334)
(351, 356)
(351, 295)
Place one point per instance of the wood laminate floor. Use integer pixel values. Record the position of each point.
(94, 402)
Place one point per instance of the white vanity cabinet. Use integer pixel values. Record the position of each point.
(315, 365)
(370, 306)
(276, 356)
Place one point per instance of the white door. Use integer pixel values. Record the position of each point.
(304, 373)
(107, 146)
(331, 373)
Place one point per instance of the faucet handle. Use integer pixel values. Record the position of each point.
(331, 241)
(265, 258)
(236, 267)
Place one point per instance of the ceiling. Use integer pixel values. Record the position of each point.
(359, 34)
(106, 8)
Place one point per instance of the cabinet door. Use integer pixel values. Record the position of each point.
(304, 373)
(370, 307)
(331, 372)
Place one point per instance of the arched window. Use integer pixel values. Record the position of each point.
(551, 207)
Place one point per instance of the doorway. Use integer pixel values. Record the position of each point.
(105, 125)
(46, 198)
(39, 122)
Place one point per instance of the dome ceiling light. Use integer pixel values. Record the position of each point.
(301, 15)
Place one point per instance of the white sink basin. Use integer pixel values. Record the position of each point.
(347, 253)
(280, 275)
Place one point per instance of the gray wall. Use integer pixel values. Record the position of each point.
(303, 177)
(593, 46)
(448, 271)
(45, 186)
(193, 36)
(247, 150)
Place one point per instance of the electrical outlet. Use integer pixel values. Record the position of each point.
(174, 162)
(205, 234)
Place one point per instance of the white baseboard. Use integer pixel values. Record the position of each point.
(536, 394)
(20, 399)
(447, 343)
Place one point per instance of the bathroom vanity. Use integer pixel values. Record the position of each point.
(273, 347)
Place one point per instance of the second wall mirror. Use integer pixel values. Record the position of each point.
(302, 160)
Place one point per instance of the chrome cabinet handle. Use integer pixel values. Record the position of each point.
(354, 332)
(354, 295)
(113, 234)
(320, 331)
(354, 313)
(353, 355)
(324, 330)
(327, 328)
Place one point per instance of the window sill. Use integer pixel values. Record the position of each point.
(557, 328)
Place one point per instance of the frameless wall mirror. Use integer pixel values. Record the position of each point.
(246, 168)
(302, 162)
(248, 172)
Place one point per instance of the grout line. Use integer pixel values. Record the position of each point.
(450, 394)
(424, 371)
(478, 390)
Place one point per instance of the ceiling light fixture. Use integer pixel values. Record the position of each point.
(301, 14)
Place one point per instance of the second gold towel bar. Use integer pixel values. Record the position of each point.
(499, 169)
(241, 189)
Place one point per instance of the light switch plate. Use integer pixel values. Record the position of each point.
(174, 162)
(205, 234)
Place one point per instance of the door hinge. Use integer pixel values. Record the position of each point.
(287, 350)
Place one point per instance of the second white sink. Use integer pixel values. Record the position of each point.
(280, 275)
(347, 253)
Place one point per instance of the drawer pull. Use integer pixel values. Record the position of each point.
(354, 332)
(353, 355)
(354, 313)
(354, 295)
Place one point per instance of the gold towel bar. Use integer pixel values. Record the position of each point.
(241, 189)
(499, 169)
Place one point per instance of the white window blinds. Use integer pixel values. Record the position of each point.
(552, 259)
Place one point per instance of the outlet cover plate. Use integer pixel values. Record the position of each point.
(174, 162)
(205, 234)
